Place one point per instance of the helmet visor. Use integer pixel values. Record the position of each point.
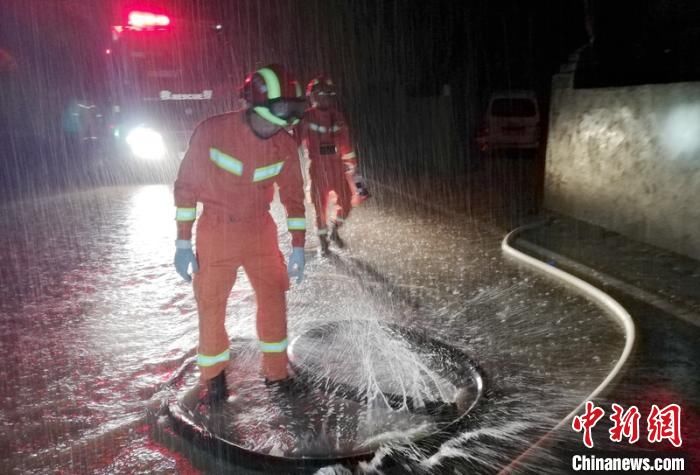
(286, 108)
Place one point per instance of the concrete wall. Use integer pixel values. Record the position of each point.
(628, 159)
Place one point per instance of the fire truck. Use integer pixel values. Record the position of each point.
(166, 73)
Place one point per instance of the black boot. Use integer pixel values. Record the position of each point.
(216, 391)
(324, 244)
(289, 397)
(335, 237)
(289, 387)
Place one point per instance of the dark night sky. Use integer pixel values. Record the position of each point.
(496, 43)
(430, 41)
(376, 49)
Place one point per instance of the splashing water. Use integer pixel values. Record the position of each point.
(122, 326)
(95, 321)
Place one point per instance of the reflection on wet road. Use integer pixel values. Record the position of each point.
(94, 318)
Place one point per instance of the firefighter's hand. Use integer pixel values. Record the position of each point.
(184, 257)
(360, 191)
(295, 267)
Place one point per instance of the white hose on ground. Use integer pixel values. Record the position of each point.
(602, 299)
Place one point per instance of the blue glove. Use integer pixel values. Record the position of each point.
(295, 267)
(183, 258)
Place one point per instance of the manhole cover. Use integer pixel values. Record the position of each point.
(365, 384)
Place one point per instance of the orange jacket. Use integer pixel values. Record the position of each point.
(326, 135)
(232, 171)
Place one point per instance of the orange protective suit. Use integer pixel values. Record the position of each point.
(326, 137)
(232, 171)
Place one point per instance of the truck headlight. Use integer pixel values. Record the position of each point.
(146, 143)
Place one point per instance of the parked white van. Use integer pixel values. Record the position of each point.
(512, 121)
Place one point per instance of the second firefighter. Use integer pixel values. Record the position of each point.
(326, 139)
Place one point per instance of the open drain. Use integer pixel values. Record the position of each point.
(365, 385)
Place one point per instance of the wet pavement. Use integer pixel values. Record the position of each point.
(95, 320)
(542, 348)
(661, 291)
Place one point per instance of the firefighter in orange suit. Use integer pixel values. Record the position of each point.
(231, 165)
(326, 138)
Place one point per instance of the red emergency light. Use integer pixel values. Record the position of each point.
(141, 19)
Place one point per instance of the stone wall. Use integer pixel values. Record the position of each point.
(628, 159)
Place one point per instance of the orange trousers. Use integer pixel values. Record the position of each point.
(326, 177)
(224, 245)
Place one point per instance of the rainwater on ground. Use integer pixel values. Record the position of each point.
(95, 321)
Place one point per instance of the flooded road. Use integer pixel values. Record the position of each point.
(92, 320)
(95, 319)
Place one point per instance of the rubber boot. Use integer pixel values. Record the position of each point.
(324, 244)
(288, 395)
(290, 387)
(335, 237)
(216, 391)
